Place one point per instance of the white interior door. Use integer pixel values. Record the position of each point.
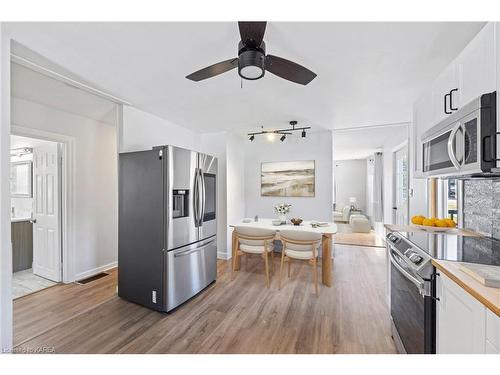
(400, 196)
(46, 210)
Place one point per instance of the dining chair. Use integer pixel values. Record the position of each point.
(300, 245)
(255, 241)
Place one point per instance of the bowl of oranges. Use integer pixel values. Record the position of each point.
(433, 223)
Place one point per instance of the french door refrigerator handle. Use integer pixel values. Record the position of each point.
(203, 197)
(195, 199)
(451, 139)
(199, 197)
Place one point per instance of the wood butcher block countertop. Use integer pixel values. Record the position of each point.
(416, 228)
(490, 297)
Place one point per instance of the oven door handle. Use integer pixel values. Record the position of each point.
(409, 276)
(451, 139)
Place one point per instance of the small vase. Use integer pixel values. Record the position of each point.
(282, 217)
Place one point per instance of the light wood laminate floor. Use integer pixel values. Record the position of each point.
(345, 236)
(231, 316)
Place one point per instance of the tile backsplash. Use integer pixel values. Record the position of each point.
(481, 212)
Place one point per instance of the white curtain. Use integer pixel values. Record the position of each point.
(378, 181)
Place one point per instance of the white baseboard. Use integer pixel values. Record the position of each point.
(223, 255)
(95, 271)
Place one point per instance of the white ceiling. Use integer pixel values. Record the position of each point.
(368, 73)
(359, 144)
(33, 86)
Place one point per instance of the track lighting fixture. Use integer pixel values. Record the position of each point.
(270, 134)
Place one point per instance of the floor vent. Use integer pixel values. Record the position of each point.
(92, 278)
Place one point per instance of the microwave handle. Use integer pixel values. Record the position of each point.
(492, 158)
(451, 139)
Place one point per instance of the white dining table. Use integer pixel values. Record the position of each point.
(326, 243)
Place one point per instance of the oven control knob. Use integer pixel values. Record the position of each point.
(415, 258)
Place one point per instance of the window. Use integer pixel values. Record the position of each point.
(447, 199)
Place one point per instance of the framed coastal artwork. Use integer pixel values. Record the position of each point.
(287, 179)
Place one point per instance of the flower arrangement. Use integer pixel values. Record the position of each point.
(282, 209)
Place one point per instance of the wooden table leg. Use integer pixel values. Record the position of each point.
(326, 244)
(233, 251)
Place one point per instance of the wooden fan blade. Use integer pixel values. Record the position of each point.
(289, 70)
(252, 33)
(213, 70)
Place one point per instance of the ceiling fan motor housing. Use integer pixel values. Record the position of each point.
(251, 61)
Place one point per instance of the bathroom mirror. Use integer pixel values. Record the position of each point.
(20, 179)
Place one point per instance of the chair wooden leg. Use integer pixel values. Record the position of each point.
(235, 256)
(289, 266)
(266, 261)
(272, 262)
(281, 269)
(315, 275)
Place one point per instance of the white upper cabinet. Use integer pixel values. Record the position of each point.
(423, 118)
(443, 93)
(472, 73)
(476, 67)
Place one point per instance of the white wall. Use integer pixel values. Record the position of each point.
(235, 183)
(95, 184)
(350, 181)
(317, 146)
(5, 243)
(142, 130)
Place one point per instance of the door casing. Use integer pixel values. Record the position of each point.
(67, 193)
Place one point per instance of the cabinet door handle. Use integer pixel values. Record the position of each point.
(451, 99)
(446, 104)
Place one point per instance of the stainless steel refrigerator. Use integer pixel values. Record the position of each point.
(167, 245)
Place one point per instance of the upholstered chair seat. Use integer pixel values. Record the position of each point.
(255, 241)
(300, 245)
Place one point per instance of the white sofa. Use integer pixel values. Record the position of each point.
(342, 216)
(360, 224)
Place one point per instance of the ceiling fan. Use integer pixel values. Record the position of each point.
(252, 61)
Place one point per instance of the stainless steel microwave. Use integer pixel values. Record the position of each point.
(464, 144)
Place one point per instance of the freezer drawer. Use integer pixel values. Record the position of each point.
(189, 270)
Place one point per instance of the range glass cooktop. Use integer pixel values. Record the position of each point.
(457, 248)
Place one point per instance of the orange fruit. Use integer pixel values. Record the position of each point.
(441, 223)
(418, 219)
(451, 223)
(429, 222)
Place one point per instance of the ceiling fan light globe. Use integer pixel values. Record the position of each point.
(251, 64)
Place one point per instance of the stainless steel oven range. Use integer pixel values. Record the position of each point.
(413, 310)
(413, 296)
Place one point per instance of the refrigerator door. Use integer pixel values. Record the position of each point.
(182, 212)
(190, 270)
(208, 175)
(141, 227)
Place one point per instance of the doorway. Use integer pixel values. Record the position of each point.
(36, 214)
(400, 207)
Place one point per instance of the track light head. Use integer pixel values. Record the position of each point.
(283, 137)
(252, 137)
(303, 133)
